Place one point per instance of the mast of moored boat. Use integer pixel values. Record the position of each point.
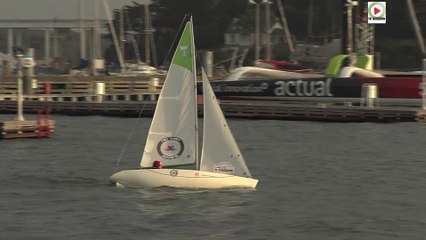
(114, 36)
(424, 84)
(82, 31)
(20, 114)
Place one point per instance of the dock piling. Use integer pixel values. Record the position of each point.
(154, 83)
(100, 91)
(369, 95)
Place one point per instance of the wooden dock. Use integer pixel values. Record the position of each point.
(317, 112)
(73, 85)
(26, 129)
(127, 96)
(421, 116)
(239, 109)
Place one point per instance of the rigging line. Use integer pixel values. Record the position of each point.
(174, 39)
(130, 136)
(226, 60)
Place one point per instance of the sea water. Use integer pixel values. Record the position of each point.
(316, 181)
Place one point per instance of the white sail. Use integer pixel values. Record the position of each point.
(172, 137)
(220, 151)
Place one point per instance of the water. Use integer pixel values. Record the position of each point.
(317, 181)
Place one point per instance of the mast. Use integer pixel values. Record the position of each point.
(416, 26)
(347, 26)
(285, 25)
(114, 35)
(349, 45)
(96, 31)
(310, 17)
(152, 41)
(133, 41)
(257, 30)
(20, 114)
(147, 35)
(424, 84)
(82, 32)
(197, 158)
(121, 21)
(268, 28)
(96, 39)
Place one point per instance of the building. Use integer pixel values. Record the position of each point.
(53, 28)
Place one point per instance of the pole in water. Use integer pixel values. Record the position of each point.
(20, 115)
(424, 84)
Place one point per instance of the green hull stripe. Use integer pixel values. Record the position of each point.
(173, 166)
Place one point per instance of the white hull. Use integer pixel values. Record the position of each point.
(180, 178)
(358, 72)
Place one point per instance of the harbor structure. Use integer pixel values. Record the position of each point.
(20, 127)
(421, 114)
(52, 35)
(128, 96)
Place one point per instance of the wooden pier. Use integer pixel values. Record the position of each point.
(21, 128)
(239, 109)
(317, 112)
(421, 116)
(127, 96)
(26, 129)
(74, 85)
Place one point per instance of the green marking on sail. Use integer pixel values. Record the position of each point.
(183, 54)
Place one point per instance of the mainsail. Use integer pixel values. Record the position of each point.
(172, 137)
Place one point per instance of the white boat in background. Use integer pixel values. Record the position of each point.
(254, 73)
(173, 135)
(347, 72)
(139, 69)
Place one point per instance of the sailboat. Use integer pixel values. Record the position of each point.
(173, 135)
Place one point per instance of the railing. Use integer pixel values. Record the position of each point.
(116, 97)
(85, 85)
(240, 109)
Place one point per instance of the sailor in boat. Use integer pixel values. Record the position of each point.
(157, 164)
